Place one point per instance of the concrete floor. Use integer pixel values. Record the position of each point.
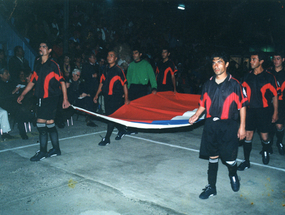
(152, 172)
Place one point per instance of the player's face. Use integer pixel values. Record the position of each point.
(111, 58)
(136, 55)
(219, 66)
(255, 62)
(43, 50)
(277, 61)
(165, 54)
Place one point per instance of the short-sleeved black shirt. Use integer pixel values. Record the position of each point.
(260, 88)
(164, 71)
(113, 80)
(47, 78)
(280, 77)
(224, 100)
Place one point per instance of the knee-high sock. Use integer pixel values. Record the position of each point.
(232, 167)
(266, 145)
(43, 136)
(213, 171)
(110, 128)
(247, 146)
(280, 135)
(53, 135)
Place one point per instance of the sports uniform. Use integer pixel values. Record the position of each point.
(47, 78)
(222, 103)
(280, 77)
(113, 80)
(164, 72)
(260, 89)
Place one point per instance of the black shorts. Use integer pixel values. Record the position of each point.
(219, 138)
(113, 103)
(46, 108)
(259, 118)
(281, 112)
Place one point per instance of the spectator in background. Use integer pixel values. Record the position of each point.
(18, 63)
(3, 60)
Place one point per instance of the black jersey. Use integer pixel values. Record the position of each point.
(224, 100)
(260, 88)
(164, 72)
(113, 80)
(47, 78)
(280, 77)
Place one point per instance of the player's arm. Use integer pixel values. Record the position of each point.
(126, 93)
(174, 83)
(98, 92)
(241, 131)
(26, 90)
(275, 106)
(65, 103)
(196, 116)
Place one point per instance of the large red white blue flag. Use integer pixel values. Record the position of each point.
(155, 111)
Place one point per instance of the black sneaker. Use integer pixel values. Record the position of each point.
(120, 135)
(104, 142)
(265, 157)
(280, 147)
(235, 183)
(39, 156)
(207, 192)
(243, 166)
(53, 152)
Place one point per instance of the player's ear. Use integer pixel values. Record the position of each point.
(227, 64)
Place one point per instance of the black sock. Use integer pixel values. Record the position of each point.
(266, 145)
(247, 146)
(212, 172)
(43, 136)
(280, 135)
(53, 135)
(110, 128)
(232, 167)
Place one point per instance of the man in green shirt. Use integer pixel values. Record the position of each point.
(139, 74)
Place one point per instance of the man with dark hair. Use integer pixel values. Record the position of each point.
(279, 72)
(165, 73)
(49, 85)
(18, 63)
(224, 103)
(113, 85)
(261, 88)
(139, 74)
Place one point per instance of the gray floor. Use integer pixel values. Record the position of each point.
(152, 172)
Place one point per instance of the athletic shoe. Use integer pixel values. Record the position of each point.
(265, 157)
(235, 182)
(207, 192)
(104, 142)
(53, 152)
(280, 147)
(243, 166)
(120, 135)
(39, 156)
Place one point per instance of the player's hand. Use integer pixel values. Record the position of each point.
(65, 104)
(20, 98)
(127, 101)
(95, 99)
(274, 117)
(154, 91)
(193, 119)
(241, 133)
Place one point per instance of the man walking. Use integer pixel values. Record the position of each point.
(49, 84)
(261, 88)
(223, 101)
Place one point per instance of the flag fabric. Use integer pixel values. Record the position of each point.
(155, 111)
